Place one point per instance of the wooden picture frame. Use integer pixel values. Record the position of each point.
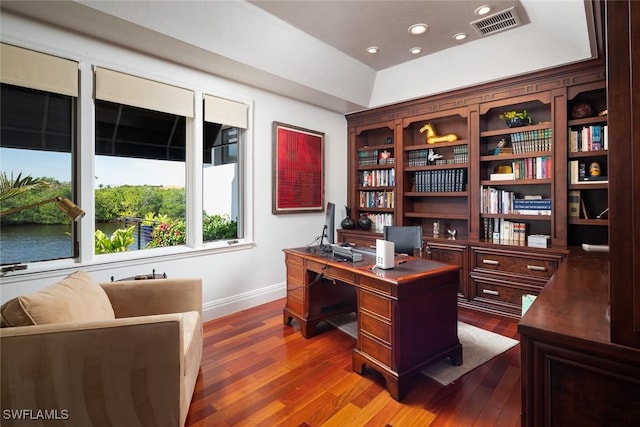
(298, 170)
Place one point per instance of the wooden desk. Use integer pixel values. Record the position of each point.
(407, 316)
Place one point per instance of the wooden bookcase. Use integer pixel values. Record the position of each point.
(451, 190)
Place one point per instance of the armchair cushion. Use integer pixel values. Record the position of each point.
(76, 298)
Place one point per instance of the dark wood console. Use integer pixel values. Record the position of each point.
(572, 374)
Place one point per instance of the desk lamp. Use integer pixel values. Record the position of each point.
(65, 205)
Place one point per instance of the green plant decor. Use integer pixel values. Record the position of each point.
(119, 241)
(11, 187)
(218, 227)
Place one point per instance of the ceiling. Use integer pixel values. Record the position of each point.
(353, 26)
(315, 51)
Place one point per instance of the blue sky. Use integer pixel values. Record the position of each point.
(112, 171)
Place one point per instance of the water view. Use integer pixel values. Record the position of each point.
(36, 242)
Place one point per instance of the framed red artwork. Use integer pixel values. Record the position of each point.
(298, 169)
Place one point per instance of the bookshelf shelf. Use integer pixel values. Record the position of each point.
(437, 194)
(435, 215)
(518, 217)
(502, 157)
(592, 153)
(596, 222)
(515, 182)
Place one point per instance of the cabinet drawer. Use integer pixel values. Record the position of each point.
(534, 265)
(503, 295)
(375, 349)
(375, 304)
(375, 327)
(331, 272)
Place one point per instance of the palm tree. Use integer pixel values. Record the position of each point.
(10, 187)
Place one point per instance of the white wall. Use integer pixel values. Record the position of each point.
(237, 278)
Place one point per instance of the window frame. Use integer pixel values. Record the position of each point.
(83, 152)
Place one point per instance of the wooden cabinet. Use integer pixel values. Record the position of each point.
(452, 253)
(500, 277)
(487, 211)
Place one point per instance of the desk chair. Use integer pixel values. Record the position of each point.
(405, 238)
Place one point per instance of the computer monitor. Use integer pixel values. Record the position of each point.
(329, 223)
(405, 238)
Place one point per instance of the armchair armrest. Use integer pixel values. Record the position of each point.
(158, 296)
(116, 372)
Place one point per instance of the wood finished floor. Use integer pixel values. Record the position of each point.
(256, 371)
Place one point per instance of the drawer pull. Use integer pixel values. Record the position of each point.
(536, 267)
(490, 292)
(490, 262)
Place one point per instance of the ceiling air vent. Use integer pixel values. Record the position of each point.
(497, 22)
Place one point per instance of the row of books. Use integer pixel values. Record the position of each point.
(442, 180)
(377, 199)
(501, 230)
(578, 174)
(375, 157)
(379, 220)
(531, 140)
(377, 178)
(423, 157)
(530, 168)
(498, 201)
(589, 138)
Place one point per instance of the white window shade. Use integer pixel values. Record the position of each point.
(35, 70)
(126, 89)
(224, 111)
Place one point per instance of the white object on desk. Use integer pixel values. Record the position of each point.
(384, 254)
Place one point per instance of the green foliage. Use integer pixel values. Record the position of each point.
(218, 227)
(45, 214)
(119, 241)
(170, 232)
(11, 187)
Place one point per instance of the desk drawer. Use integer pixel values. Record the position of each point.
(331, 272)
(375, 304)
(534, 265)
(375, 349)
(375, 285)
(375, 327)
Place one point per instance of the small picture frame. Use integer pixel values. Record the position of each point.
(298, 170)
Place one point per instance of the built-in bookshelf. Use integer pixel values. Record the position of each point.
(375, 163)
(435, 177)
(587, 165)
(501, 196)
(516, 167)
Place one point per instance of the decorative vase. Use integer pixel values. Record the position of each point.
(347, 223)
(364, 222)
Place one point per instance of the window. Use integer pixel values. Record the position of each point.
(140, 163)
(38, 101)
(140, 171)
(224, 124)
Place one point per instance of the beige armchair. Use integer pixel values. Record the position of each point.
(114, 354)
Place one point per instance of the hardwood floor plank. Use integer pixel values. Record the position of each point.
(257, 371)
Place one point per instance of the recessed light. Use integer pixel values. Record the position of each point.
(417, 29)
(483, 10)
(460, 36)
(415, 50)
(373, 49)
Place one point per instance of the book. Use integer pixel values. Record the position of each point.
(574, 204)
(539, 240)
(502, 176)
(573, 172)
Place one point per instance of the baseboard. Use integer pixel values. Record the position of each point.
(232, 304)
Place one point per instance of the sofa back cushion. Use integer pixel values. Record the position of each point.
(76, 298)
